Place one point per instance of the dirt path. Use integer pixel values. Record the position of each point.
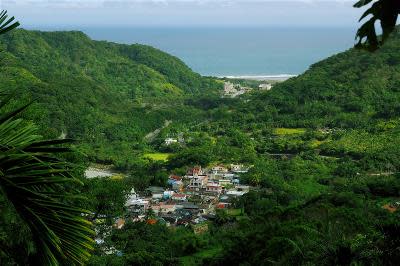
(152, 135)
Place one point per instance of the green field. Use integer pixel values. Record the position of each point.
(199, 257)
(289, 131)
(158, 156)
(234, 212)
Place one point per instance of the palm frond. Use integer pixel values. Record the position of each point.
(385, 11)
(32, 178)
(7, 25)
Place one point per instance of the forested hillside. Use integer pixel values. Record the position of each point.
(322, 150)
(346, 105)
(348, 90)
(107, 95)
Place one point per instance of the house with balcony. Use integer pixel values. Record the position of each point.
(195, 171)
(198, 182)
(213, 188)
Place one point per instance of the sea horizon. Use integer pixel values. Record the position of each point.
(236, 52)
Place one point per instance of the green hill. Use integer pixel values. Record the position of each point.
(348, 90)
(323, 148)
(347, 105)
(108, 95)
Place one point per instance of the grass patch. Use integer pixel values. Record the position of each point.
(117, 177)
(158, 156)
(289, 131)
(306, 188)
(234, 212)
(199, 257)
(315, 143)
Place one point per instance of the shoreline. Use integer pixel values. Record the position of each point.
(280, 77)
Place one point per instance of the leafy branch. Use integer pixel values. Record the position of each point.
(33, 180)
(7, 25)
(385, 11)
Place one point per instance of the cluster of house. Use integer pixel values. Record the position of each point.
(265, 86)
(190, 199)
(234, 90)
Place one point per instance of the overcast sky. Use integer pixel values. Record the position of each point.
(84, 13)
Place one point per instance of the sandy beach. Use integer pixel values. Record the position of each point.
(282, 77)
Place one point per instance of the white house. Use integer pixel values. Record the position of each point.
(219, 169)
(164, 208)
(157, 196)
(213, 187)
(168, 194)
(238, 168)
(228, 176)
(134, 202)
(265, 86)
(243, 188)
(169, 141)
(198, 182)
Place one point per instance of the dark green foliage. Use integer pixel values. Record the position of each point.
(321, 181)
(323, 149)
(348, 90)
(154, 244)
(105, 197)
(7, 24)
(34, 194)
(384, 11)
(106, 95)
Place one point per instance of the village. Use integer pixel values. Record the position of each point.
(234, 90)
(188, 200)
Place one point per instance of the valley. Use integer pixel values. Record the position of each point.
(319, 152)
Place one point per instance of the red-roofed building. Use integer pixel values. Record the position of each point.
(151, 221)
(175, 177)
(390, 208)
(119, 223)
(222, 205)
(195, 171)
(179, 197)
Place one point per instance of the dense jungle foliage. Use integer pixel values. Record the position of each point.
(323, 146)
(107, 95)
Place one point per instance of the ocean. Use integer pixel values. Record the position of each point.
(238, 51)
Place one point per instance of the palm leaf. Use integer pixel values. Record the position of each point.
(385, 11)
(32, 178)
(7, 25)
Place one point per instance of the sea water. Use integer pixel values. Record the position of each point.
(238, 51)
